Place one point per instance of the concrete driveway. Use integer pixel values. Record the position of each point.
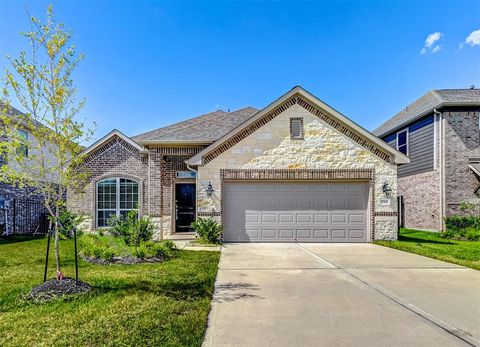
(341, 295)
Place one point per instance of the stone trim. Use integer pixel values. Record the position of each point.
(386, 214)
(296, 99)
(299, 175)
(209, 214)
(296, 174)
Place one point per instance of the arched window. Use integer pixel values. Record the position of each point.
(115, 196)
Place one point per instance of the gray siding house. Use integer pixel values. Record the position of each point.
(440, 134)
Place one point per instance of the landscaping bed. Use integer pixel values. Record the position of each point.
(156, 304)
(431, 244)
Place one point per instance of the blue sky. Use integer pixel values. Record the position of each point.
(148, 64)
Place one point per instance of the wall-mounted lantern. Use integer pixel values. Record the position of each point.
(210, 189)
(387, 190)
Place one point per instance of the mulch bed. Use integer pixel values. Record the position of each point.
(123, 260)
(54, 288)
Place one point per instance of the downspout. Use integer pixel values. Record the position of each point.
(440, 153)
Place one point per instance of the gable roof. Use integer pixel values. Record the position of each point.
(348, 124)
(425, 105)
(203, 129)
(109, 136)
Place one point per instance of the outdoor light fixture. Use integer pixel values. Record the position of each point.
(210, 189)
(386, 189)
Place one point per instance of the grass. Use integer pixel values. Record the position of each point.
(163, 304)
(429, 244)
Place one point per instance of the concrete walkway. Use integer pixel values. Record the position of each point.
(341, 295)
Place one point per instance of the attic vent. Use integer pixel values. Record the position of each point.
(296, 128)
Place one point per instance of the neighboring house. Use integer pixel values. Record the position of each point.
(8, 191)
(296, 170)
(21, 208)
(440, 134)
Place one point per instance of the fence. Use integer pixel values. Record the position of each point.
(23, 217)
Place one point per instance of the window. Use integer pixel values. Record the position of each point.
(23, 137)
(296, 128)
(115, 197)
(402, 141)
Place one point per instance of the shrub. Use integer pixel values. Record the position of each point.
(461, 222)
(132, 229)
(472, 234)
(164, 249)
(208, 229)
(141, 251)
(97, 246)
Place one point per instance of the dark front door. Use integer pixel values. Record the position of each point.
(184, 206)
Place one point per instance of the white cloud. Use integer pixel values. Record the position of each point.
(432, 38)
(473, 39)
(431, 43)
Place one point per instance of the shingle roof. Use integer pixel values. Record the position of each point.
(208, 127)
(433, 99)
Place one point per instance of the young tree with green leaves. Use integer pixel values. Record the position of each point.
(40, 79)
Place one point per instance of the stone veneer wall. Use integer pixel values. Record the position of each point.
(421, 194)
(462, 138)
(323, 147)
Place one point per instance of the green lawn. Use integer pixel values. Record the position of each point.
(163, 304)
(429, 244)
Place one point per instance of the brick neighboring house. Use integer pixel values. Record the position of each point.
(296, 170)
(28, 209)
(440, 134)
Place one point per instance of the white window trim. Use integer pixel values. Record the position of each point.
(407, 143)
(117, 199)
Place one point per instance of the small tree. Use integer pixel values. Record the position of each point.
(41, 81)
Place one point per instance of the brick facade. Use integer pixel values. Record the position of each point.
(462, 138)
(457, 141)
(154, 171)
(421, 194)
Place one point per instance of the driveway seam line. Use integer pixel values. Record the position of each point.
(412, 308)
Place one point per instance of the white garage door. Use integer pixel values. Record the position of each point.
(295, 212)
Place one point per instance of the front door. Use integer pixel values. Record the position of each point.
(184, 206)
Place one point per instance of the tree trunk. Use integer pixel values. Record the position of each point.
(57, 238)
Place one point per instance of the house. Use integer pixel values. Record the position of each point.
(21, 207)
(296, 170)
(440, 134)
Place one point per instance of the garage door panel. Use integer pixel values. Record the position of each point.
(356, 218)
(303, 212)
(356, 233)
(286, 234)
(320, 217)
(339, 218)
(269, 217)
(339, 233)
(286, 218)
(303, 218)
(304, 234)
